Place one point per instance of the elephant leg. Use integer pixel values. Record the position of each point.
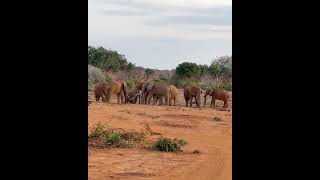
(145, 98)
(225, 104)
(214, 102)
(122, 96)
(174, 101)
(187, 101)
(197, 102)
(149, 98)
(205, 100)
(154, 100)
(118, 98)
(158, 100)
(191, 101)
(166, 100)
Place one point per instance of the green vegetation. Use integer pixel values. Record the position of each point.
(115, 138)
(188, 70)
(96, 75)
(130, 83)
(108, 59)
(127, 139)
(168, 145)
(97, 130)
(148, 72)
(216, 74)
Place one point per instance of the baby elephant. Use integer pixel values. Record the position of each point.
(191, 92)
(220, 94)
(173, 95)
(100, 90)
(133, 96)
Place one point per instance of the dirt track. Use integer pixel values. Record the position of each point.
(197, 126)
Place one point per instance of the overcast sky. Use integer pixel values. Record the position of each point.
(161, 34)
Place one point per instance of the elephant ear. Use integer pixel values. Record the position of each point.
(124, 84)
(150, 86)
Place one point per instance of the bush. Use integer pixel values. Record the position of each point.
(97, 130)
(207, 85)
(95, 74)
(130, 83)
(168, 145)
(90, 85)
(112, 137)
(185, 83)
(227, 86)
(115, 138)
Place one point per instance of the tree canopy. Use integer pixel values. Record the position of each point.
(108, 59)
(188, 70)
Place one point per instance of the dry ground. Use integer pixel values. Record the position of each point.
(197, 126)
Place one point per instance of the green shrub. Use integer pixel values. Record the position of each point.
(130, 83)
(168, 145)
(207, 85)
(90, 85)
(95, 74)
(157, 79)
(227, 86)
(97, 130)
(185, 83)
(112, 137)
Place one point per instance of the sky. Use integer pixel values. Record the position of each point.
(160, 34)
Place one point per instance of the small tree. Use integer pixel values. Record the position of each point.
(221, 67)
(204, 69)
(188, 70)
(148, 72)
(215, 70)
(129, 68)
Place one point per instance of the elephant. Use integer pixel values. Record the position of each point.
(145, 88)
(119, 88)
(139, 85)
(191, 92)
(155, 88)
(207, 93)
(142, 86)
(100, 90)
(173, 94)
(157, 98)
(220, 94)
(133, 95)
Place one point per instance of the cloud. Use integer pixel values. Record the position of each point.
(166, 31)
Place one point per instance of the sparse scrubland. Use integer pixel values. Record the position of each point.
(144, 141)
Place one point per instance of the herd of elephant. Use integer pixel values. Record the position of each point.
(144, 91)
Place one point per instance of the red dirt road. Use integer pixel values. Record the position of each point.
(197, 126)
